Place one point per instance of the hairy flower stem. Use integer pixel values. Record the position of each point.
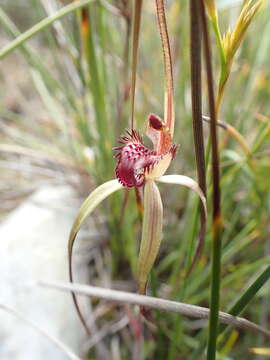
(217, 223)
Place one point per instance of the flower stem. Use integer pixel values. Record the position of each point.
(217, 223)
(215, 295)
(168, 72)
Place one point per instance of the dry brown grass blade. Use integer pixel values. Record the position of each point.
(52, 339)
(123, 297)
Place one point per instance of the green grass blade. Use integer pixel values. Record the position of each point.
(238, 307)
(35, 61)
(43, 24)
(95, 83)
(249, 294)
(135, 45)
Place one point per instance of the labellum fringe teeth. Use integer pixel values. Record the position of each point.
(135, 160)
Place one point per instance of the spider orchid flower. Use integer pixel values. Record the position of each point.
(139, 167)
(138, 164)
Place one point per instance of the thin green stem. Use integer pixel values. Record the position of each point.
(217, 223)
(196, 93)
(238, 307)
(214, 22)
(215, 296)
(43, 24)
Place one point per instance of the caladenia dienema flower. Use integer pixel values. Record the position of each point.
(137, 163)
(140, 167)
(143, 168)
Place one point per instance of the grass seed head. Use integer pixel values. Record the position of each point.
(233, 38)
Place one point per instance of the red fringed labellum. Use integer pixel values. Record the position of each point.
(136, 161)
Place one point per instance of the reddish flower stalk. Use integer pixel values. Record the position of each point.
(168, 93)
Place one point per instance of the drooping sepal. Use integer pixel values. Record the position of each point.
(193, 185)
(151, 233)
(90, 203)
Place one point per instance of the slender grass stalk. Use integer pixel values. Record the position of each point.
(135, 45)
(125, 75)
(262, 136)
(217, 222)
(101, 30)
(33, 59)
(233, 132)
(215, 25)
(123, 297)
(42, 25)
(248, 295)
(196, 95)
(238, 307)
(95, 82)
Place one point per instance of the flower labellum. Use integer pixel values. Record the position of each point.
(137, 166)
(137, 163)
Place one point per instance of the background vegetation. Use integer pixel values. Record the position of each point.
(64, 103)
